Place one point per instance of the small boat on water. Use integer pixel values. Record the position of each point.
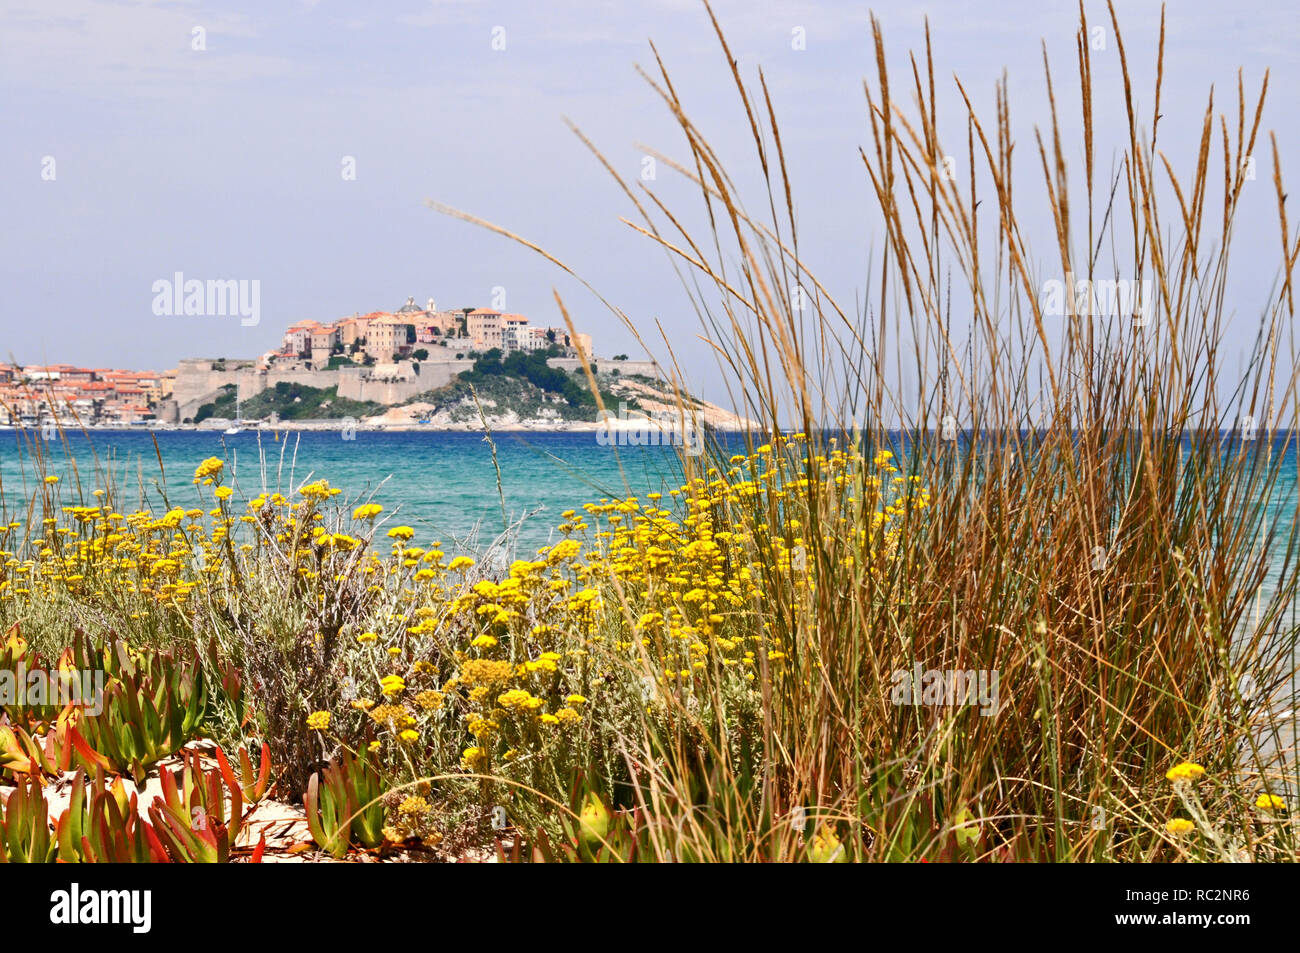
(239, 421)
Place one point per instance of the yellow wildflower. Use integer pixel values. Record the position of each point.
(208, 468)
(1186, 771)
(1270, 802)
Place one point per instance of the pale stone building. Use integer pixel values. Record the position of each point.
(483, 325)
(389, 335)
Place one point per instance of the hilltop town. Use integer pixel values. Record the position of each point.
(371, 361)
(380, 337)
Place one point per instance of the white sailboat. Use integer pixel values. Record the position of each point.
(239, 420)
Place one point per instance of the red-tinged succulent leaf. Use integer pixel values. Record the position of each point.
(189, 818)
(149, 708)
(236, 810)
(90, 758)
(216, 800)
(170, 795)
(102, 825)
(311, 804)
(325, 809)
(254, 788)
(170, 832)
(21, 754)
(24, 825)
(193, 846)
(263, 772)
(155, 845)
(238, 793)
(194, 779)
(227, 774)
(70, 828)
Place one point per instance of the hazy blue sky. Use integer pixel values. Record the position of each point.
(226, 162)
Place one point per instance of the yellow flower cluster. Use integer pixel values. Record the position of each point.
(1270, 803)
(208, 469)
(638, 599)
(665, 588)
(1186, 771)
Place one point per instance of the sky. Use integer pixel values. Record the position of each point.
(142, 139)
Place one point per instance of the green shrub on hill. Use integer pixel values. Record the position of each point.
(301, 402)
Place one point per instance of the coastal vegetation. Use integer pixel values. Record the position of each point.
(526, 385)
(302, 402)
(223, 406)
(502, 393)
(1036, 605)
(532, 367)
(288, 401)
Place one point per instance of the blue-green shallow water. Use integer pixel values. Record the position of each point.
(443, 484)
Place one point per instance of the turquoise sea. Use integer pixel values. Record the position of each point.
(442, 484)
